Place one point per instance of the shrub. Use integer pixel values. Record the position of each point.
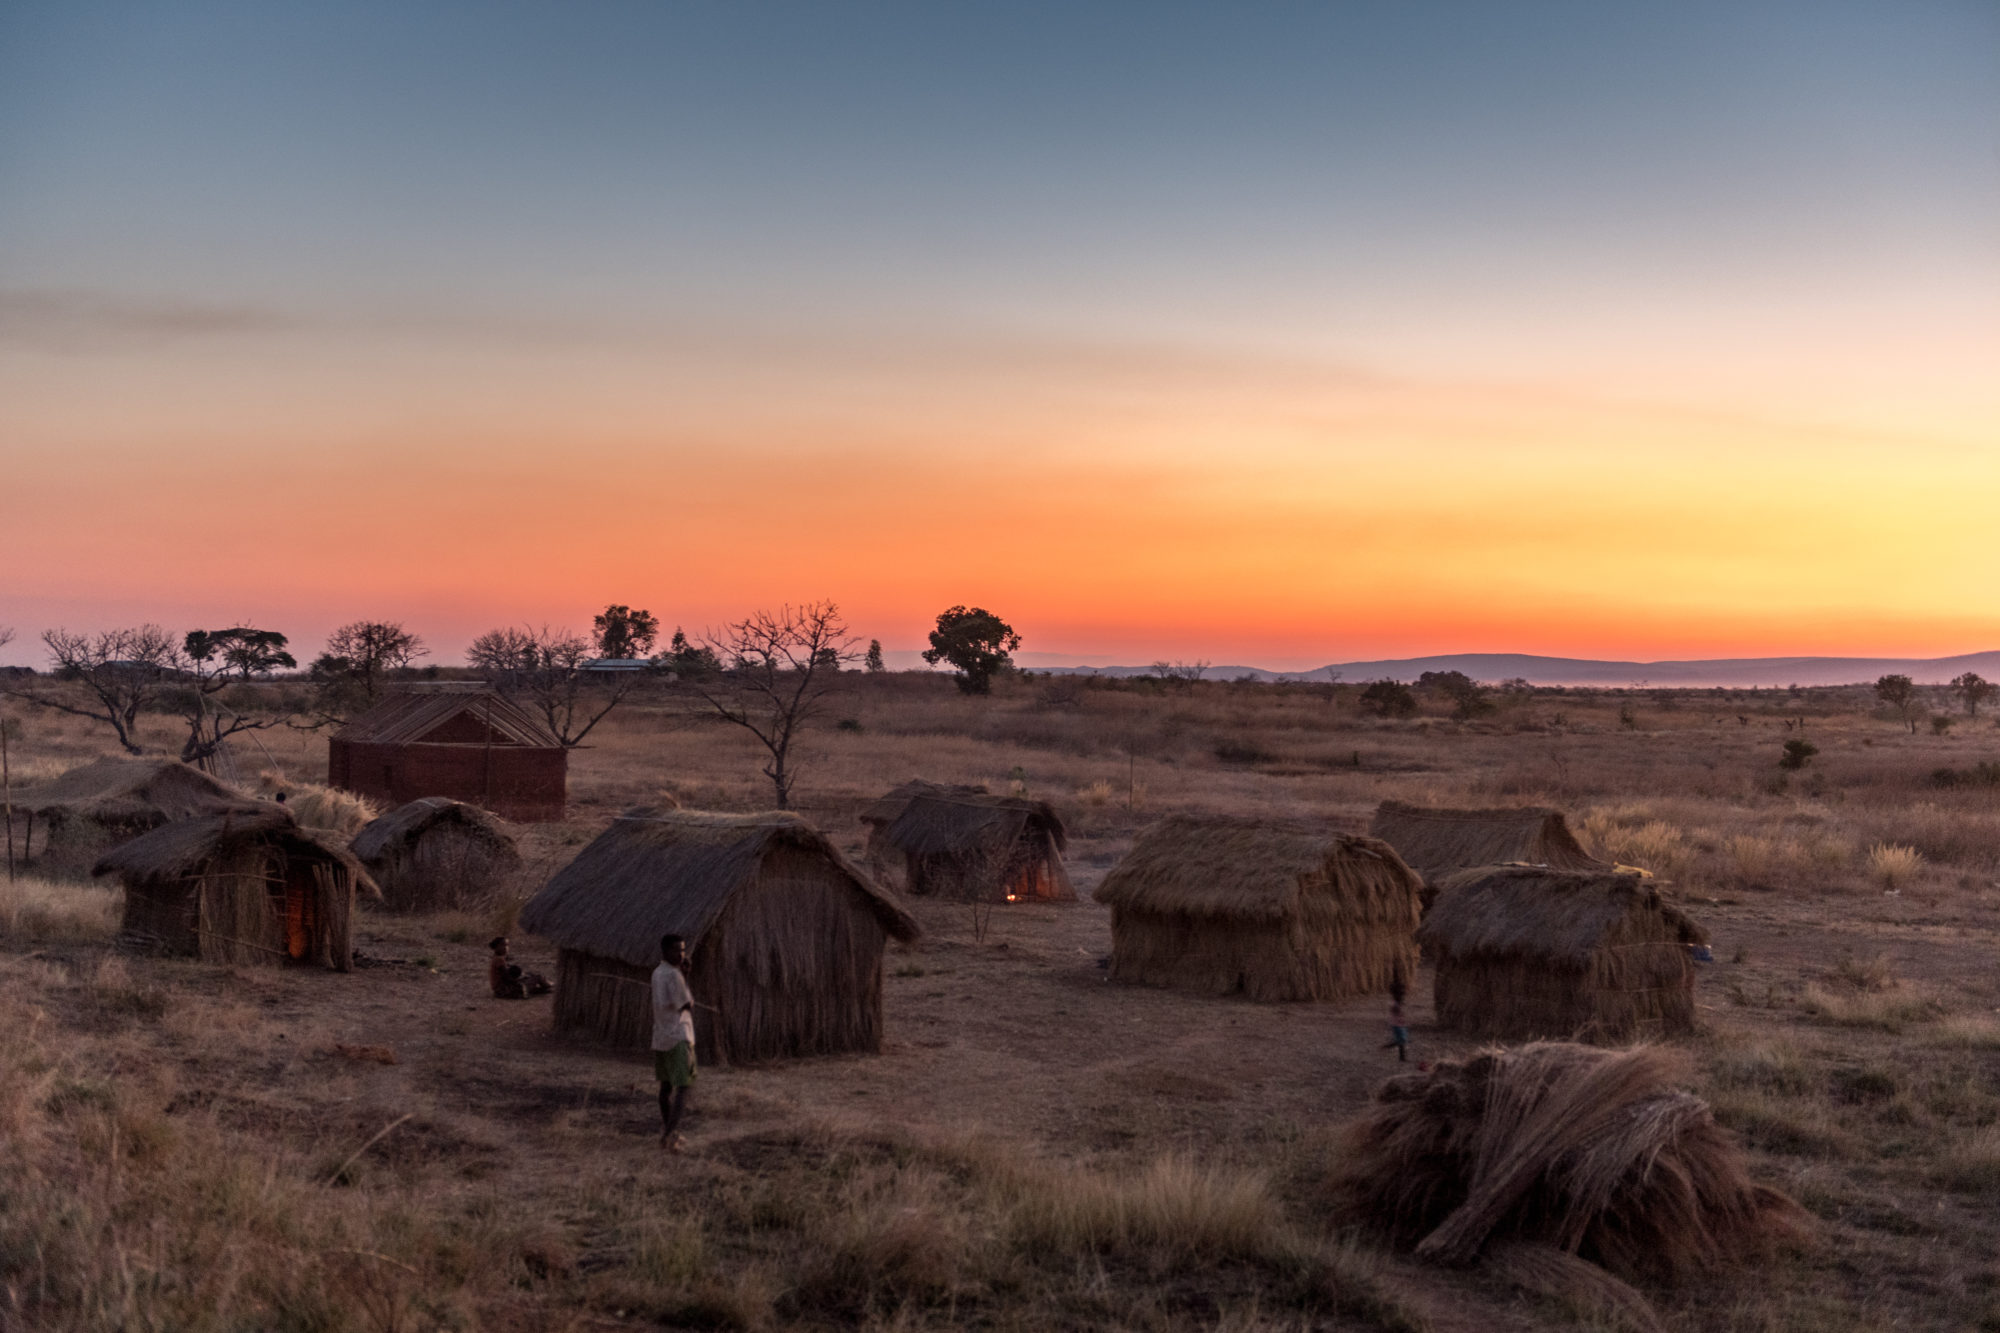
(1797, 754)
(1389, 698)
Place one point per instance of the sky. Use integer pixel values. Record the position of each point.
(1275, 334)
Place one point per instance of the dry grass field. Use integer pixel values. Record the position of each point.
(191, 1147)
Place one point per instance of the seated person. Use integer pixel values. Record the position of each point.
(507, 979)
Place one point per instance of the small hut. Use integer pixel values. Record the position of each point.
(1275, 910)
(786, 935)
(1524, 951)
(1435, 842)
(239, 888)
(95, 806)
(436, 854)
(963, 843)
(460, 740)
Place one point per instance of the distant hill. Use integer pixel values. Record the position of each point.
(1736, 672)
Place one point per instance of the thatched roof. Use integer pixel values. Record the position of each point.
(172, 851)
(671, 872)
(1558, 916)
(1436, 842)
(413, 716)
(406, 823)
(1232, 868)
(133, 791)
(926, 819)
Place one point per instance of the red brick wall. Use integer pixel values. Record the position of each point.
(514, 782)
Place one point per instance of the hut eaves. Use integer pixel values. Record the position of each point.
(1528, 912)
(1227, 868)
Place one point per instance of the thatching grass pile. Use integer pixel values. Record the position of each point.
(967, 844)
(329, 809)
(1272, 909)
(1588, 1153)
(785, 934)
(94, 807)
(436, 854)
(237, 887)
(1523, 952)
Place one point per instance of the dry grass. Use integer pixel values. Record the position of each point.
(43, 910)
(1892, 867)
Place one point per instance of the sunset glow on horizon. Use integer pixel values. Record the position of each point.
(1276, 338)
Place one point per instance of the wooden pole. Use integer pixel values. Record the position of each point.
(7, 796)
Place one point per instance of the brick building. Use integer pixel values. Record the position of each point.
(460, 740)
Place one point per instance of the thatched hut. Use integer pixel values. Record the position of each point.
(1435, 842)
(1275, 910)
(785, 934)
(95, 806)
(460, 740)
(1523, 951)
(436, 854)
(239, 888)
(967, 844)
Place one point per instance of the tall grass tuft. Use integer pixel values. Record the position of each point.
(1893, 866)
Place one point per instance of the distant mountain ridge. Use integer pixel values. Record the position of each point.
(1734, 672)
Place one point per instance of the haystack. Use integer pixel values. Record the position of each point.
(1435, 842)
(786, 934)
(1562, 1150)
(437, 855)
(1582, 955)
(964, 843)
(1275, 910)
(94, 807)
(456, 739)
(239, 887)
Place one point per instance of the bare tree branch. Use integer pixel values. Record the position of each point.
(545, 668)
(121, 671)
(780, 668)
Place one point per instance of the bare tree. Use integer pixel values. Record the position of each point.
(358, 655)
(122, 672)
(779, 667)
(1181, 673)
(544, 667)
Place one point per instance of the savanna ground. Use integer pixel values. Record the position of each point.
(204, 1148)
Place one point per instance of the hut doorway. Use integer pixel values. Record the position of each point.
(301, 914)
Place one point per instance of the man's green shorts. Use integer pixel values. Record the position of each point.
(675, 1068)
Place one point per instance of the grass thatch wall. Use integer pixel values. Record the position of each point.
(968, 845)
(1272, 910)
(1525, 953)
(438, 855)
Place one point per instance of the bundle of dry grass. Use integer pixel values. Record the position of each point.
(785, 934)
(1276, 910)
(438, 854)
(1436, 842)
(94, 807)
(965, 843)
(240, 887)
(1591, 1153)
(1523, 952)
(329, 809)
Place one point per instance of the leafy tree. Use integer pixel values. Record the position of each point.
(976, 642)
(623, 633)
(1797, 753)
(1900, 693)
(687, 660)
(1389, 698)
(1970, 686)
(783, 665)
(873, 661)
(1468, 696)
(216, 664)
(123, 672)
(544, 669)
(358, 657)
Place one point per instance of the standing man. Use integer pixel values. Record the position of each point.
(673, 1038)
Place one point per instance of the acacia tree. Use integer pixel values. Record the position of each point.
(1971, 687)
(976, 642)
(357, 657)
(1900, 693)
(545, 669)
(1181, 673)
(623, 633)
(779, 668)
(215, 664)
(122, 671)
